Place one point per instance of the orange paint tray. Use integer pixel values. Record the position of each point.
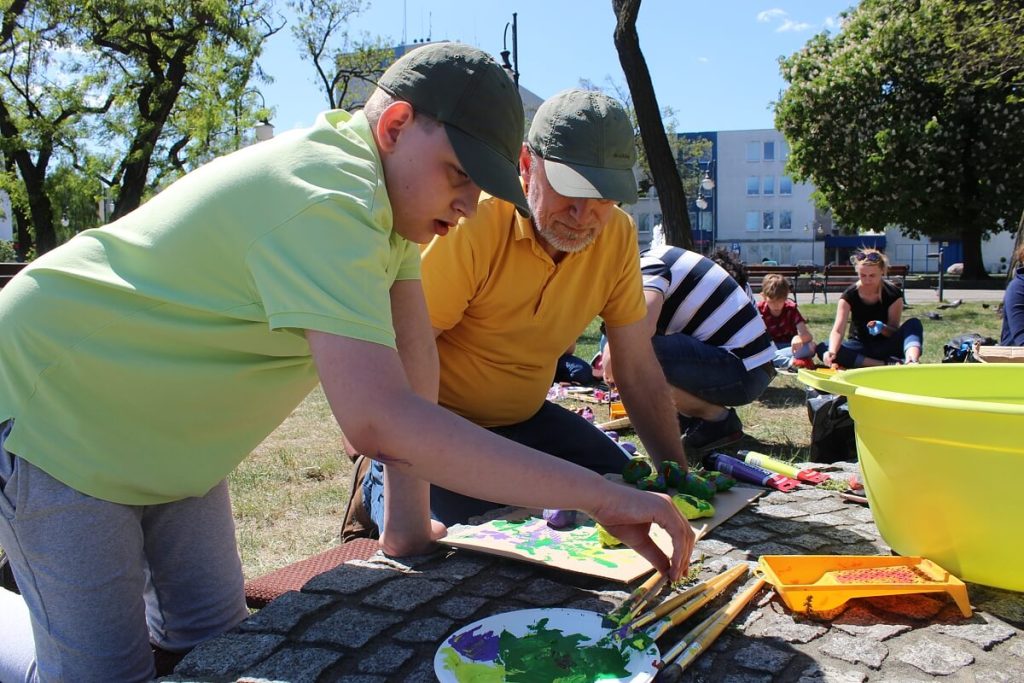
(820, 583)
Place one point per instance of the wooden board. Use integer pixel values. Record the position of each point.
(522, 534)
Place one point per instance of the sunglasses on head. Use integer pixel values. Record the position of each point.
(869, 257)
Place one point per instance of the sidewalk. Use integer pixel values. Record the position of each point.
(927, 296)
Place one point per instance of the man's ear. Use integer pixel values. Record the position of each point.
(393, 120)
(525, 158)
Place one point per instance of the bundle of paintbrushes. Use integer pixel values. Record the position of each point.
(641, 629)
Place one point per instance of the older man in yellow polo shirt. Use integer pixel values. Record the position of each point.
(508, 294)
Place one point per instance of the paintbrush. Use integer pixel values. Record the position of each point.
(633, 605)
(725, 578)
(673, 617)
(700, 638)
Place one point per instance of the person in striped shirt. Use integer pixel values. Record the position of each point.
(710, 340)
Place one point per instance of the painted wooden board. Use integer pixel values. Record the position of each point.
(542, 646)
(522, 534)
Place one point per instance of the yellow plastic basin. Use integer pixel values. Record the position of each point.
(941, 448)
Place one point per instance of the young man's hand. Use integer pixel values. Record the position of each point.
(628, 513)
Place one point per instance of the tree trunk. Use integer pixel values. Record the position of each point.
(974, 264)
(1014, 261)
(675, 218)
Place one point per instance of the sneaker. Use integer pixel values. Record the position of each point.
(357, 523)
(706, 436)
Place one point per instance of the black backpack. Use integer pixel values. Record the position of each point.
(960, 349)
(832, 429)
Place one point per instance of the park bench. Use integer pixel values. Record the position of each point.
(757, 271)
(839, 277)
(8, 269)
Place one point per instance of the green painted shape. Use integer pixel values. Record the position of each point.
(546, 655)
(466, 671)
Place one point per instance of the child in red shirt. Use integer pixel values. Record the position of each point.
(787, 327)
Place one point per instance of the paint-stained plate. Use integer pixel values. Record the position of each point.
(541, 645)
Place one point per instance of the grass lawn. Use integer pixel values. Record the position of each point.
(290, 494)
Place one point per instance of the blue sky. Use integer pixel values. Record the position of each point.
(714, 62)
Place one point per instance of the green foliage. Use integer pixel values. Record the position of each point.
(912, 115)
(346, 68)
(7, 252)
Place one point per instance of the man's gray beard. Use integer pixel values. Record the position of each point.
(568, 246)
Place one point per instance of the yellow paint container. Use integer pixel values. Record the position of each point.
(941, 448)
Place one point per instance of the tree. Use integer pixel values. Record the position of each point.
(662, 163)
(98, 86)
(346, 70)
(912, 115)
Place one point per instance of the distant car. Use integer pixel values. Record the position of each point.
(955, 269)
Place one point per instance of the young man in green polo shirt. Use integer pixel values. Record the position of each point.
(142, 361)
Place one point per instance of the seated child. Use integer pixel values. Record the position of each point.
(788, 329)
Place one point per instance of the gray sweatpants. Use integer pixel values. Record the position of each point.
(101, 581)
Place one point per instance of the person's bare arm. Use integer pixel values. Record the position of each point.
(376, 408)
(645, 392)
(835, 337)
(408, 528)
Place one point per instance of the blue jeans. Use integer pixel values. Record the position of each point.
(784, 353)
(853, 351)
(552, 429)
(709, 372)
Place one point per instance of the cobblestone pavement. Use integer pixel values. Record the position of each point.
(382, 620)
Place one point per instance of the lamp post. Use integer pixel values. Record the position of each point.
(264, 129)
(706, 185)
(512, 68)
(816, 233)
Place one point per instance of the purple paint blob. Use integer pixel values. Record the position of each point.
(477, 647)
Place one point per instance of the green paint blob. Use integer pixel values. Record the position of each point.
(466, 671)
(548, 655)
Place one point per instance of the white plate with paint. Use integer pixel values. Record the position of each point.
(541, 645)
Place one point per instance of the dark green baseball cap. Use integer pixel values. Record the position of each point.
(586, 141)
(479, 105)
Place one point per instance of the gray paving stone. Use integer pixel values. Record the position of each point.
(228, 655)
(871, 653)
(423, 673)
(385, 660)
(350, 627)
(826, 503)
(516, 572)
(809, 541)
(742, 536)
(761, 656)
(1017, 647)
(295, 664)
(283, 613)
(406, 595)
(359, 679)
(935, 658)
(490, 586)
(427, 630)
(785, 627)
(985, 636)
(460, 606)
(1003, 604)
(877, 632)
(989, 676)
(744, 677)
(822, 673)
(350, 578)
(714, 547)
(544, 593)
(829, 519)
(593, 603)
(781, 511)
(771, 548)
(458, 567)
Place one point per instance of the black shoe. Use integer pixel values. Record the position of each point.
(706, 436)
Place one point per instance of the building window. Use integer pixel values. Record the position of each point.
(785, 220)
(753, 220)
(769, 151)
(785, 185)
(753, 151)
(769, 184)
(644, 224)
(753, 185)
(768, 222)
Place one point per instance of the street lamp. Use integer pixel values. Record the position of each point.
(816, 233)
(513, 68)
(264, 129)
(706, 185)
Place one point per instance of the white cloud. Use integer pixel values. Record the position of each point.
(703, 60)
(790, 25)
(770, 15)
(830, 22)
